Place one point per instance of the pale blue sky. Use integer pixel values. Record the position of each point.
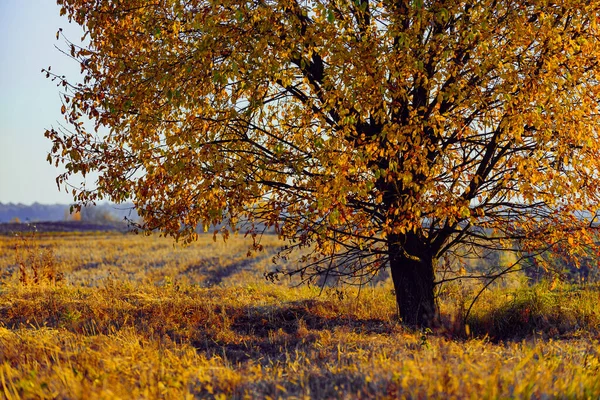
(30, 103)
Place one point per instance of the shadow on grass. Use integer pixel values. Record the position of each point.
(214, 273)
(236, 332)
(291, 316)
(271, 332)
(217, 324)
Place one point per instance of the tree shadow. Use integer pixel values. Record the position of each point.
(214, 273)
(259, 320)
(270, 332)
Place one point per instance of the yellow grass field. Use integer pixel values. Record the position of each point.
(109, 315)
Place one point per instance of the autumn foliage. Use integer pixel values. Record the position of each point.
(389, 133)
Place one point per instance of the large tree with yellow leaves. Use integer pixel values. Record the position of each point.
(376, 133)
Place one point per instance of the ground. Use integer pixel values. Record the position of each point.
(115, 315)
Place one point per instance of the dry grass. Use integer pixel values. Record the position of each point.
(136, 318)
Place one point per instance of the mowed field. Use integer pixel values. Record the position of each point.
(112, 315)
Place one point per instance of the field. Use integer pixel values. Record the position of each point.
(113, 315)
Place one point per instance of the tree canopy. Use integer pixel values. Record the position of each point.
(375, 133)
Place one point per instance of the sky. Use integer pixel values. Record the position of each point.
(30, 103)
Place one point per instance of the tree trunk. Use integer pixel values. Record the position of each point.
(411, 264)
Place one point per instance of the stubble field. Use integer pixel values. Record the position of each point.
(112, 315)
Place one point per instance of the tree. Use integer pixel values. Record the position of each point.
(76, 216)
(377, 134)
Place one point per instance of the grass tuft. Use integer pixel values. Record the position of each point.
(563, 311)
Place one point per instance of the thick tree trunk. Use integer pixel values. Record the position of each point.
(411, 264)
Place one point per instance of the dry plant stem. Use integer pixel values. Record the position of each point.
(37, 264)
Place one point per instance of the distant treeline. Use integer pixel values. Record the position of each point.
(36, 212)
